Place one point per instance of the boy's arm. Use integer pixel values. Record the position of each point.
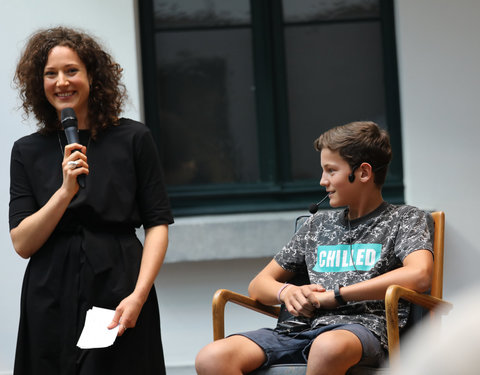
(268, 287)
(415, 274)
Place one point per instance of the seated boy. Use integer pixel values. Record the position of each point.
(351, 255)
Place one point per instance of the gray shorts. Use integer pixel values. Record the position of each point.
(294, 347)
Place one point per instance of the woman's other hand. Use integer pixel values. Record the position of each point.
(126, 314)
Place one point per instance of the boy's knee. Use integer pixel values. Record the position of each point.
(232, 355)
(328, 349)
(206, 357)
(337, 346)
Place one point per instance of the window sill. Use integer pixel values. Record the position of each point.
(233, 236)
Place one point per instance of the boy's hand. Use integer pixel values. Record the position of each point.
(327, 300)
(302, 300)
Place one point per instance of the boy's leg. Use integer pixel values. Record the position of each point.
(334, 352)
(232, 355)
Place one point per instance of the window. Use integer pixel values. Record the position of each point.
(236, 91)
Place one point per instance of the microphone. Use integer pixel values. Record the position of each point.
(70, 125)
(314, 206)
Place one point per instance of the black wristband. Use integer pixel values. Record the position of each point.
(338, 296)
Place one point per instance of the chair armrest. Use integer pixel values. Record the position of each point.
(222, 296)
(393, 294)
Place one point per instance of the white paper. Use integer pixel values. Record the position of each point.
(95, 333)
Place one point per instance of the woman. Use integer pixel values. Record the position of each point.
(81, 241)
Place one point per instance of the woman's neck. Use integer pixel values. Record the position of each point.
(83, 121)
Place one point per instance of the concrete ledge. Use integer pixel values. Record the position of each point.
(180, 370)
(233, 236)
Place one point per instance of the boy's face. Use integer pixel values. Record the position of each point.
(335, 178)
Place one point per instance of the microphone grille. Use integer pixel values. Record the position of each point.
(67, 114)
(313, 208)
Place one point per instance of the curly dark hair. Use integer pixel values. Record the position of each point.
(107, 92)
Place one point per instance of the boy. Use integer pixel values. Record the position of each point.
(351, 256)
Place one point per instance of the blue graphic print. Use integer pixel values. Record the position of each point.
(342, 258)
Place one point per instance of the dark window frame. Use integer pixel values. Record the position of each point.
(272, 120)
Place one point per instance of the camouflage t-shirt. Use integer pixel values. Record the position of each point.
(333, 250)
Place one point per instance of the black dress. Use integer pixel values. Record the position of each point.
(93, 256)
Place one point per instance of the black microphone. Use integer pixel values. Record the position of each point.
(70, 125)
(314, 206)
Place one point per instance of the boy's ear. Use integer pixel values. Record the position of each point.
(366, 172)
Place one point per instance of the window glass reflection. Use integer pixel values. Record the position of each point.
(197, 13)
(341, 79)
(322, 10)
(206, 106)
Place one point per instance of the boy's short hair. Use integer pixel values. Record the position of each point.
(360, 142)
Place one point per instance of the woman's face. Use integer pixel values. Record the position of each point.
(66, 82)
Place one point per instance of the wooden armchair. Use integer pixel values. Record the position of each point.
(433, 302)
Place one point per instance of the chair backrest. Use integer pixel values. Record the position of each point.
(438, 246)
(417, 312)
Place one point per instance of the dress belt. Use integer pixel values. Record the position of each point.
(97, 243)
(94, 228)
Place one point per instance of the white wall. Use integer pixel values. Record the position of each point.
(439, 60)
(113, 21)
(438, 56)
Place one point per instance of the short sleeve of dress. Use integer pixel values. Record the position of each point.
(152, 197)
(22, 200)
(415, 232)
